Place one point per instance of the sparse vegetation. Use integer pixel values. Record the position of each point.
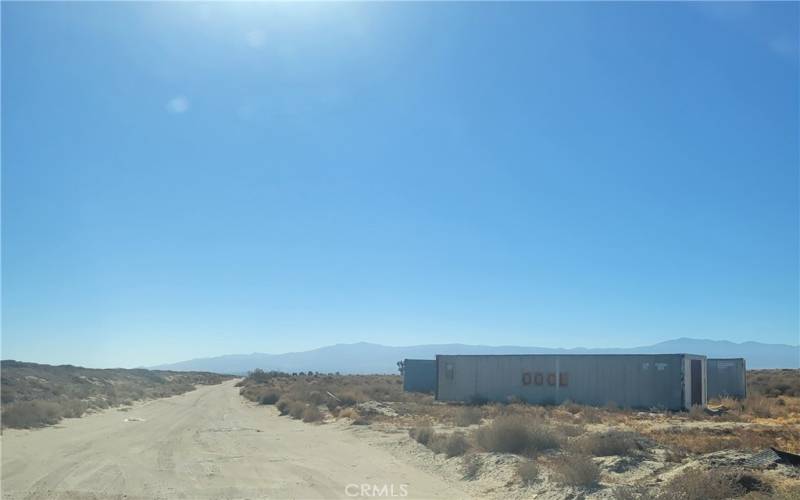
(528, 472)
(269, 398)
(35, 395)
(515, 434)
(422, 435)
(562, 439)
(696, 484)
(31, 414)
(312, 414)
(608, 443)
(456, 444)
(469, 415)
(297, 409)
(576, 470)
(773, 383)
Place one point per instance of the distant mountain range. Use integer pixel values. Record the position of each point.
(364, 357)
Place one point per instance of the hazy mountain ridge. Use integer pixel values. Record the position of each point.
(364, 357)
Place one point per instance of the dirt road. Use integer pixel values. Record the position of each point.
(208, 443)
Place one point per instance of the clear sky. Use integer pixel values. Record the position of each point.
(183, 179)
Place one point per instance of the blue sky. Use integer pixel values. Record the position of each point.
(184, 179)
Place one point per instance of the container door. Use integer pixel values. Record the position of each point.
(697, 382)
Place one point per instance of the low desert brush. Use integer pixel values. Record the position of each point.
(311, 414)
(576, 470)
(422, 434)
(528, 472)
(604, 444)
(469, 415)
(515, 434)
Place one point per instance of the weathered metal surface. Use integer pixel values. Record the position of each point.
(727, 377)
(419, 375)
(628, 380)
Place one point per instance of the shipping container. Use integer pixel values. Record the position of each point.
(419, 375)
(727, 377)
(660, 381)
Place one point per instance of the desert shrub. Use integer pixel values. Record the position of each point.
(296, 409)
(74, 408)
(311, 414)
(315, 398)
(590, 415)
(467, 416)
(696, 484)
(528, 472)
(26, 414)
(471, 467)
(514, 434)
(570, 430)
(283, 406)
(697, 412)
(632, 492)
(576, 470)
(762, 407)
(456, 445)
(422, 434)
(348, 399)
(571, 407)
(437, 443)
(269, 398)
(606, 444)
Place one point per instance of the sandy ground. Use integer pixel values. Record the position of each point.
(208, 443)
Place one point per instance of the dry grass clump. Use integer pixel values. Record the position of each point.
(422, 434)
(282, 405)
(455, 445)
(605, 444)
(570, 430)
(296, 409)
(716, 484)
(515, 434)
(700, 440)
(452, 445)
(753, 406)
(528, 472)
(590, 415)
(697, 412)
(469, 415)
(312, 414)
(576, 470)
(763, 407)
(74, 408)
